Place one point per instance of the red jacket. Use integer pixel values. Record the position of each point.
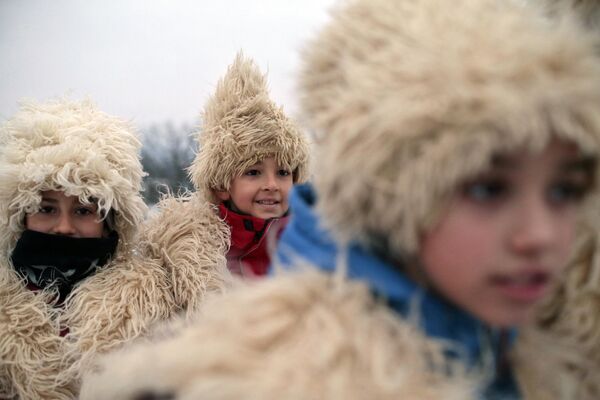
(252, 241)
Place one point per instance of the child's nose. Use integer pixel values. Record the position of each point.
(270, 182)
(534, 228)
(64, 226)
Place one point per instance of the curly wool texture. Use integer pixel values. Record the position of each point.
(180, 261)
(73, 147)
(31, 348)
(242, 126)
(118, 304)
(190, 241)
(308, 336)
(409, 100)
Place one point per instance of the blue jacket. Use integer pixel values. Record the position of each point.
(304, 238)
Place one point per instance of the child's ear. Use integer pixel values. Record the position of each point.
(223, 195)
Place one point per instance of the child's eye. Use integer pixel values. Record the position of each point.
(283, 172)
(252, 172)
(46, 209)
(84, 211)
(566, 192)
(486, 190)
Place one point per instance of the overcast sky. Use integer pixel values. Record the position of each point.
(148, 60)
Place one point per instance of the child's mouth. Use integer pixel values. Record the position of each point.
(526, 287)
(267, 202)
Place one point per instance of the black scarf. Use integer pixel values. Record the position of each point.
(45, 259)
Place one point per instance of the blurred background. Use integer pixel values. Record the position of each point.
(153, 62)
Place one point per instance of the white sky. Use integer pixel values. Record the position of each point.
(148, 60)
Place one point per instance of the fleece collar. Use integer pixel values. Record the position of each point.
(245, 229)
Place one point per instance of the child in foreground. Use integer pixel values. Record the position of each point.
(456, 155)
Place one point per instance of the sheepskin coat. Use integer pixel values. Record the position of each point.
(301, 336)
(189, 240)
(73, 147)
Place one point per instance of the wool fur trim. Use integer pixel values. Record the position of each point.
(307, 336)
(179, 261)
(72, 147)
(122, 302)
(408, 100)
(242, 126)
(31, 348)
(187, 237)
(119, 303)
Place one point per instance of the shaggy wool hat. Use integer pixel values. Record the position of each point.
(72, 147)
(409, 99)
(242, 126)
(588, 11)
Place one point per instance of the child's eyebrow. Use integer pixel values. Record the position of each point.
(585, 164)
(504, 162)
(49, 200)
(578, 164)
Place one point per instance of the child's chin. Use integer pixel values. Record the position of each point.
(268, 215)
(268, 212)
(509, 319)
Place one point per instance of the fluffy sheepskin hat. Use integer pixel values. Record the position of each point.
(410, 98)
(587, 10)
(242, 126)
(72, 147)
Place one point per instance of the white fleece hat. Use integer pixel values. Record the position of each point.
(410, 98)
(73, 147)
(242, 126)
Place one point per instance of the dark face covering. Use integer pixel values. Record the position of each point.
(45, 259)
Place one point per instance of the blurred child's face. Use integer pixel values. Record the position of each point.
(508, 234)
(65, 215)
(262, 190)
